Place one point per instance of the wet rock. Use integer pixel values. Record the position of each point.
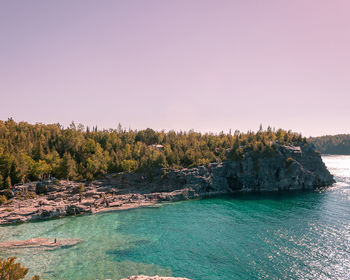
(39, 243)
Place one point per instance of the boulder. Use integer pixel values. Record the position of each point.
(41, 188)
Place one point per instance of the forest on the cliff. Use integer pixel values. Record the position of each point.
(31, 151)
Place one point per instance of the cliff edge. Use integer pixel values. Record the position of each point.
(287, 168)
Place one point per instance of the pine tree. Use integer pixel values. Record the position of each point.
(68, 167)
(8, 184)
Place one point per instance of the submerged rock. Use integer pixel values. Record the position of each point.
(39, 243)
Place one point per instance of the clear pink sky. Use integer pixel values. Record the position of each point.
(207, 65)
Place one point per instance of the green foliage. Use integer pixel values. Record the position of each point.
(9, 270)
(40, 168)
(336, 144)
(3, 199)
(7, 184)
(128, 165)
(34, 151)
(81, 188)
(236, 154)
(67, 167)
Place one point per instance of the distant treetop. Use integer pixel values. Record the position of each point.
(332, 144)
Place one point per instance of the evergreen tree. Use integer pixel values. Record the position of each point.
(7, 184)
(68, 167)
(31, 151)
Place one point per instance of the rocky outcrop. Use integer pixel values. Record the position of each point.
(39, 243)
(143, 277)
(288, 168)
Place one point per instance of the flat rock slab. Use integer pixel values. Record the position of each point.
(143, 277)
(39, 243)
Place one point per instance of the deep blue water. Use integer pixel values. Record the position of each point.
(301, 235)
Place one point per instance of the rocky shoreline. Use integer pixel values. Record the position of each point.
(290, 168)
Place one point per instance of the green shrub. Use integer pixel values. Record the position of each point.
(3, 199)
(81, 188)
(9, 270)
(289, 161)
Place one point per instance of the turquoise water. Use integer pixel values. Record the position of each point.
(270, 236)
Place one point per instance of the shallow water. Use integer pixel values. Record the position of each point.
(303, 235)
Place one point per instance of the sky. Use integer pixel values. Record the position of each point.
(205, 65)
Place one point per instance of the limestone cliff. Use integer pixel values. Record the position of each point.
(288, 168)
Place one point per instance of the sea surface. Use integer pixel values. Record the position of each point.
(299, 235)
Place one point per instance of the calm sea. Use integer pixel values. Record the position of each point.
(301, 235)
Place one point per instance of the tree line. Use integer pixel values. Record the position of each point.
(335, 144)
(32, 151)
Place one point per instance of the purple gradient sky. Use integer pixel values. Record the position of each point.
(208, 65)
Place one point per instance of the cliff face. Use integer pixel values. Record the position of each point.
(289, 168)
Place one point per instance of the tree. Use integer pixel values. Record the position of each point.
(40, 168)
(129, 165)
(68, 167)
(38, 152)
(29, 151)
(3, 199)
(8, 184)
(9, 270)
